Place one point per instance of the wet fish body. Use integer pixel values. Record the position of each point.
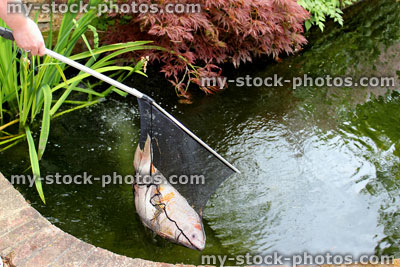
(163, 209)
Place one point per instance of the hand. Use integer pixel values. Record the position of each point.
(29, 38)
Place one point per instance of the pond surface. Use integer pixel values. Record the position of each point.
(320, 166)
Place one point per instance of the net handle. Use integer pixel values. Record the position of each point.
(7, 34)
(138, 94)
(94, 73)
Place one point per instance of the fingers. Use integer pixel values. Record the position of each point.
(38, 49)
(34, 51)
(42, 50)
(29, 38)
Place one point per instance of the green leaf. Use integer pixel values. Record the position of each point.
(85, 40)
(308, 24)
(64, 96)
(113, 47)
(95, 36)
(321, 26)
(85, 75)
(34, 163)
(44, 133)
(87, 91)
(8, 140)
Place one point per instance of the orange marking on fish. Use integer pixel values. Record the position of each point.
(168, 197)
(153, 170)
(197, 226)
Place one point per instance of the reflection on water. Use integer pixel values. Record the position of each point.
(320, 166)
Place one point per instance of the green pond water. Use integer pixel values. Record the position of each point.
(320, 166)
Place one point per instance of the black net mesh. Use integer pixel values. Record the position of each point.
(176, 153)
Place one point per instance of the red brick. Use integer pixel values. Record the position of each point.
(99, 258)
(11, 201)
(75, 256)
(52, 251)
(122, 261)
(17, 218)
(20, 234)
(37, 242)
(4, 183)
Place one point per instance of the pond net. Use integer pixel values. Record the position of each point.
(177, 154)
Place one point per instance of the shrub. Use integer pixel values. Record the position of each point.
(320, 9)
(224, 31)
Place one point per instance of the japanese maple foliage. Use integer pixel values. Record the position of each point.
(232, 31)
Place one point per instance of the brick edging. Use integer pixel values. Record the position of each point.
(32, 241)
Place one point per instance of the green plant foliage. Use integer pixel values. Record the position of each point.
(33, 86)
(321, 9)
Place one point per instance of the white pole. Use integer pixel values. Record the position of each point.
(94, 73)
(138, 94)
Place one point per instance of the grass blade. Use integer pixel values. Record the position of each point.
(44, 133)
(11, 145)
(8, 140)
(34, 163)
(85, 75)
(64, 96)
(85, 40)
(76, 108)
(2, 127)
(95, 36)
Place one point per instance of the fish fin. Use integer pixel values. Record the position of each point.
(153, 169)
(145, 163)
(138, 158)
